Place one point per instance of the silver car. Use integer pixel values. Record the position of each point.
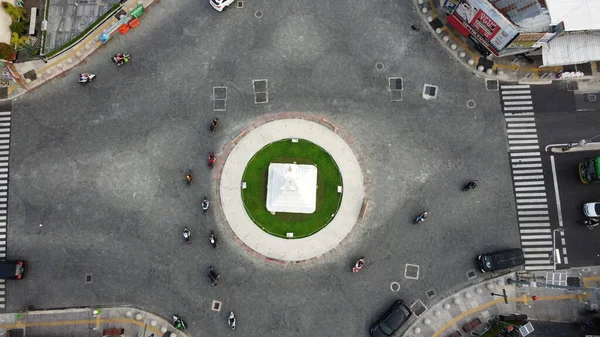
(592, 209)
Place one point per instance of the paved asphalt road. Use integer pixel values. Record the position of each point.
(563, 116)
(97, 171)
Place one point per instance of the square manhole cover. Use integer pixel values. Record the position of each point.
(219, 93)
(261, 97)
(471, 274)
(240, 4)
(216, 306)
(411, 271)
(430, 91)
(395, 83)
(491, 85)
(572, 85)
(88, 278)
(418, 308)
(396, 95)
(219, 104)
(430, 294)
(259, 85)
(590, 97)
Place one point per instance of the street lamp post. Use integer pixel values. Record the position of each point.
(554, 253)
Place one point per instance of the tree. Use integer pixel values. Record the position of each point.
(6, 51)
(15, 13)
(17, 27)
(17, 40)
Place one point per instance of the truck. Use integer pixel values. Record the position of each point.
(589, 169)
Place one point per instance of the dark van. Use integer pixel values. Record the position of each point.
(501, 260)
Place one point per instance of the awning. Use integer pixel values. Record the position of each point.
(571, 49)
(576, 14)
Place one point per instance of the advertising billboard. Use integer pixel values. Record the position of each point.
(531, 40)
(486, 23)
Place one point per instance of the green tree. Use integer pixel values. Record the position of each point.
(16, 40)
(6, 51)
(15, 13)
(17, 27)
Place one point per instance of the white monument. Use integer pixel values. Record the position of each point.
(292, 188)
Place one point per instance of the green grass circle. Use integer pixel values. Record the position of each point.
(285, 151)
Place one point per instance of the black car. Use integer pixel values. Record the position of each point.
(12, 269)
(392, 320)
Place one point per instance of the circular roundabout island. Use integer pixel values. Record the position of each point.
(291, 189)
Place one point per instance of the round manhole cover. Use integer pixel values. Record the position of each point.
(471, 104)
(592, 97)
(258, 14)
(395, 286)
(379, 66)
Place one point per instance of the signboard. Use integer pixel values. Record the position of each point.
(486, 23)
(531, 40)
(137, 11)
(449, 6)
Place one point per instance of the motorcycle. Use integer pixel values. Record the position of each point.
(358, 265)
(120, 59)
(591, 223)
(421, 218)
(211, 159)
(470, 185)
(187, 235)
(213, 276)
(213, 239)
(231, 320)
(189, 177)
(205, 206)
(213, 124)
(178, 323)
(86, 77)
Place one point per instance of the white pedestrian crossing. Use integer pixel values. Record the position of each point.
(528, 177)
(5, 120)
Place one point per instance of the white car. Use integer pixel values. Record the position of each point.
(592, 209)
(221, 5)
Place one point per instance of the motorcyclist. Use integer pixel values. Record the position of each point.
(213, 124)
(421, 218)
(178, 323)
(189, 177)
(214, 277)
(119, 58)
(471, 185)
(205, 205)
(211, 159)
(187, 235)
(231, 320)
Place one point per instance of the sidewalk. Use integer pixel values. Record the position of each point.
(508, 68)
(451, 314)
(88, 322)
(31, 74)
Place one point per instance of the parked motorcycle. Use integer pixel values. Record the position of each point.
(205, 206)
(470, 185)
(86, 77)
(178, 323)
(120, 59)
(358, 265)
(213, 124)
(421, 218)
(187, 235)
(211, 159)
(231, 320)
(213, 239)
(213, 276)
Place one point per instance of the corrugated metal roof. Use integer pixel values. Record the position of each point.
(571, 49)
(577, 14)
(518, 10)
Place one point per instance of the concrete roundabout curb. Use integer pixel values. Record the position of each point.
(351, 208)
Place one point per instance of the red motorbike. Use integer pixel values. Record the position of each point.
(358, 265)
(211, 159)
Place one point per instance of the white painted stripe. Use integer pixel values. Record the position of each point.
(550, 267)
(515, 92)
(532, 231)
(7, 118)
(536, 218)
(529, 201)
(518, 195)
(3, 163)
(515, 86)
(523, 147)
(2, 211)
(519, 119)
(525, 154)
(566, 260)
(518, 108)
(5, 130)
(557, 196)
(518, 103)
(519, 113)
(536, 237)
(537, 243)
(3, 182)
(4, 147)
(515, 97)
(528, 183)
(546, 261)
(520, 135)
(4, 141)
(3, 249)
(5, 113)
(520, 125)
(3, 124)
(532, 256)
(3, 169)
(2, 229)
(522, 141)
(2, 306)
(533, 224)
(535, 188)
(527, 165)
(3, 153)
(528, 177)
(532, 206)
(2, 285)
(521, 131)
(537, 249)
(528, 171)
(3, 236)
(524, 160)
(5, 159)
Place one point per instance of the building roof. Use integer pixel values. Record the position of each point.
(576, 14)
(292, 188)
(571, 49)
(518, 10)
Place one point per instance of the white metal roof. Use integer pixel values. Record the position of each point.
(576, 14)
(292, 188)
(571, 49)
